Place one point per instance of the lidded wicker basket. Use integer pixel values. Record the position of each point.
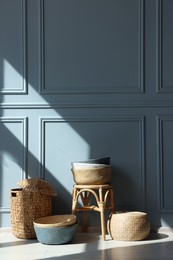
(33, 200)
(129, 226)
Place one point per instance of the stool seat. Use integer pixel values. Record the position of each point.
(103, 197)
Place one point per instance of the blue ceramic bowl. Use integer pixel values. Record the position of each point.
(55, 229)
(55, 235)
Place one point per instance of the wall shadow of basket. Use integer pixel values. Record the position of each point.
(31, 201)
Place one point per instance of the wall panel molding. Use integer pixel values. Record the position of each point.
(160, 86)
(158, 46)
(90, 88)
(5, 210)
(22, 89)
(23, 121)
(95, 104)
(44, 122)
(164, 124)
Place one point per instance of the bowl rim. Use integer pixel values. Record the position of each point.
(90, 166)
(98, 159)
(55, 221)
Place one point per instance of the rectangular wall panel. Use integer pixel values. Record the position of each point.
(165, 165)
(65, 141)
(13, 46)
(82, 52)
(13, 134)
(164, 45)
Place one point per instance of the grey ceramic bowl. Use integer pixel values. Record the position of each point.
(55, 235)
(101, 160)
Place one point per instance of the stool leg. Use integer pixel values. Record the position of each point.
(102, 207)
(112, 200)
(84, 221)
(74, 200)
(102, 221)
(85, 201)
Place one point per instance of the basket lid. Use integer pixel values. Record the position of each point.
(37, 185)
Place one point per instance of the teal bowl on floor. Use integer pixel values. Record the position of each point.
(55, 235)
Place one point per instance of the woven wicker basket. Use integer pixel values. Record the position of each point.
(28, 204)
(37, 185)
(128, 226)
(92, 176)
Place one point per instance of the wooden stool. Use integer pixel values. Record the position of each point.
(104, 200)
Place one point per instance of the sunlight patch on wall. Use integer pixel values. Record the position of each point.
(11, 170)
(62, 146)
(11, 77)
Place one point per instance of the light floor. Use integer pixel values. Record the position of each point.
(87, 246)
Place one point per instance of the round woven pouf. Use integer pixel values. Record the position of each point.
(128, 226)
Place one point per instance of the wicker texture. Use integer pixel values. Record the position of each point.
(28, 204)
(38, 185)
(55, 221)
(129, 226)
(92, 176)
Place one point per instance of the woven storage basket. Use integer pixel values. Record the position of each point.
(92, 176)
(128, 226)
(37, 185)
(27, 205)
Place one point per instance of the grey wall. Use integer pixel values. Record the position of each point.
(82, 79)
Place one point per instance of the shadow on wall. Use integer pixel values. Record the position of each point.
(126, 190)
(121, 181)
(10, 155)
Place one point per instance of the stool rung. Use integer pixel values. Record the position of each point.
(85, 208)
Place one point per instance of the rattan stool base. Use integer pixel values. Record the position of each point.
(104, 201)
